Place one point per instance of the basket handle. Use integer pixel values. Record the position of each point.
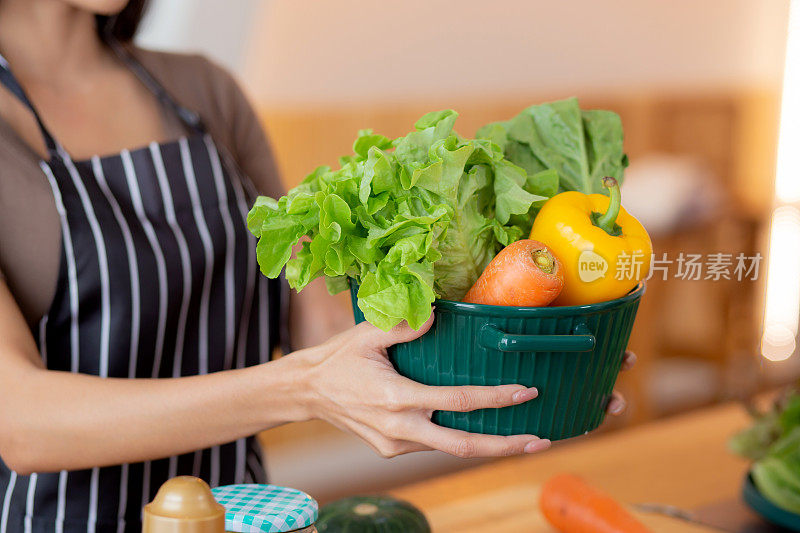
(493, 338)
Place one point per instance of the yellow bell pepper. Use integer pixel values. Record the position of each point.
(605, 252)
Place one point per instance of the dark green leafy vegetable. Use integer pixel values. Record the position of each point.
(410, 219)
(777, 474)
(773, 442)
(581, 146)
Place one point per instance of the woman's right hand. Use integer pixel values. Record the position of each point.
(351, 384)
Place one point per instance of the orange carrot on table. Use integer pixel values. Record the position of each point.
(524, 274)
(573, 506)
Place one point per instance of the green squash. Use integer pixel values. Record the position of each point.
(371, 514)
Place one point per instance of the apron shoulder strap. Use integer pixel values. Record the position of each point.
(189, 118)
(9, 81)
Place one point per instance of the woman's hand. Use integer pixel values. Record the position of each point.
(616, 405)
(352, 384)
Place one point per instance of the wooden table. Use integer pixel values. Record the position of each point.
(681, 461)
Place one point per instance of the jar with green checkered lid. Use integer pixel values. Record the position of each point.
(266, 509)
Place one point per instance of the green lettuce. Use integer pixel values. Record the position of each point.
(773, 443)
(409, 220)
(777, 474)
(582, 146)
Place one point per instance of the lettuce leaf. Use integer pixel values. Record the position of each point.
(581, 146)
(773, 442)
(410, 219)
(777, 475)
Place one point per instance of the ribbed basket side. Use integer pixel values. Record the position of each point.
(583, 379)
(574, 387)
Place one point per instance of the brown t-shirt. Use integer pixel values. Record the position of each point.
(30, 232)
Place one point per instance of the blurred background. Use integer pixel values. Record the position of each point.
(699, 86)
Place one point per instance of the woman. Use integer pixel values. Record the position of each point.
(135, 329)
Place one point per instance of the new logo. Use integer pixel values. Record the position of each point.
(591, 266)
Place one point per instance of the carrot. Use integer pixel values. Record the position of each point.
(572, 506)
(524, 274)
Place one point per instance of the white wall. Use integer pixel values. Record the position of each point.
(305, 52)
(219, 29)
(348, 51)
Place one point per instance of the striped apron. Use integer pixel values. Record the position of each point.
(158, 279)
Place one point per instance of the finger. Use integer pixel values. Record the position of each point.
(617, 404)
(466, 445)
(469, 397)
(628, 360)
(383, 445)
(379, 443)
(402, 332)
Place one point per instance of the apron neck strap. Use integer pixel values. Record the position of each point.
(188, 117)
(10, 82)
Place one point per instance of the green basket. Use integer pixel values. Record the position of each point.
(572, 355)
(768, 510)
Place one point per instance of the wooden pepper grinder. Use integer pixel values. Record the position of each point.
(184, 505)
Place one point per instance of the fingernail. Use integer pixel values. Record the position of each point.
(616, 408)
(524, 395)
(537, 445)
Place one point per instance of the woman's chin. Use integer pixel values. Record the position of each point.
(99, 7)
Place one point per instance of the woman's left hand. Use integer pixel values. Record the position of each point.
(616, 405)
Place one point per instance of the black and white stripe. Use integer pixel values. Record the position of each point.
(244, 323)
(74, 332)
(135, 315)
(105, 312)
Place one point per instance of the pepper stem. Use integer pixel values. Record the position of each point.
(607, 221)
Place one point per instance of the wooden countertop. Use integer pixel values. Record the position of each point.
(681, 461)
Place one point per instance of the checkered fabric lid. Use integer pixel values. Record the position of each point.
(265, 508)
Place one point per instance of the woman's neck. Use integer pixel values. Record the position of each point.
(49, 40)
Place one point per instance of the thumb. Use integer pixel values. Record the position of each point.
(402, 332)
